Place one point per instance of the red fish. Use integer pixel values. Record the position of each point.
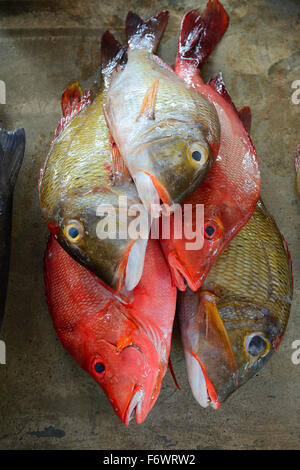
(124, 345)
(231, 188)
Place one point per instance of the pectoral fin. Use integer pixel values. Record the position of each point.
(148, 105)
(211, 326)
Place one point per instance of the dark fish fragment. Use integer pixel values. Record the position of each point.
(12, 148)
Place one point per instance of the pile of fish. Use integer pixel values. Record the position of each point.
(155, 137)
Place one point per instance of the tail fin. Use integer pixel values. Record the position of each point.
(145, 34)
(112, 52)
(200, 34)
(12, 148)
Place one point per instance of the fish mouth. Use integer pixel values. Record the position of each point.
(134, 409)
(181, 276)
(202, 389)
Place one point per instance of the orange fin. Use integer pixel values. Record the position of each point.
(148, 105)
(120, 170)
(212, 327)
(173, 374)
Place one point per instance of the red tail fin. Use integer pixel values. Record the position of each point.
(148, 33)
(200, 34)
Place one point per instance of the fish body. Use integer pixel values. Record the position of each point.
(166, 131)
(232, 325)
(123, 344)
(12, 148)
(231, 189)
(84, 172)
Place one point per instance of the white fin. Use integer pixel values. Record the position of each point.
(135, 263)
(196, 380)
(146, 190)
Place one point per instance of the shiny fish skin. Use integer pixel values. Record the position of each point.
(131, 339)
(78, 177)
(251, 287)
(230, 191)
(156, 142)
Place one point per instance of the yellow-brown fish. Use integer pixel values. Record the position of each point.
(84, 172)
(232, 325)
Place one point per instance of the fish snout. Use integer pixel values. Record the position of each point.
(135, 408)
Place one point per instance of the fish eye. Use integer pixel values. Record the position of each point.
(198, 153)
(212, 230)
(73, 231)
(257, 345)
(98, 367)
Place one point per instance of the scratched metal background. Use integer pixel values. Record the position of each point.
(46, 400)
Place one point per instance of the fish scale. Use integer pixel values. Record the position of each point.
(157, 120)
(247, 294)
(262, 275)
(84, 172)
(129, 338)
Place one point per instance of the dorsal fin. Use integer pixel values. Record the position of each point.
(71, 98)
(120, 170)
(217, 83)
(148, 104)
(145, 34)
(73, 101)
(246, 117)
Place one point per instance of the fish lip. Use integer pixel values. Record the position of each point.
(198, 382)
(181, 275)
(134, 407)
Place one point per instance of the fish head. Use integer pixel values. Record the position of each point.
(88, 227)
(172, 159)
(226, 342)
(127, 373)
(191, 261)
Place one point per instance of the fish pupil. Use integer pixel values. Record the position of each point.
(256, 346)
(73, 232)
(209, 230)
(99, 367)
(196, 155)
